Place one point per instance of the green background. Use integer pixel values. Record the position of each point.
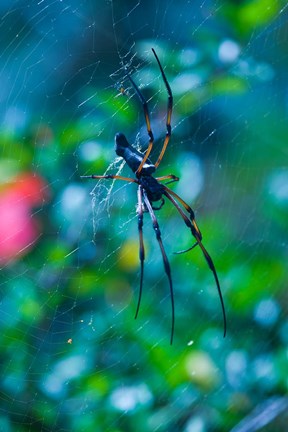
(72, 356)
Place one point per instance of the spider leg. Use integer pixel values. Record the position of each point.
(209, 261)
(187, 208)
(148, 125)
(164, 256)
(109, 176)
(141, 244)
(169, 111)
(186, 250)
(167, 177)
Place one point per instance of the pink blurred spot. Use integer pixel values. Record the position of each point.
(19, 230)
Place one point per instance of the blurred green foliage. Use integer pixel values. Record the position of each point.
(72, 356)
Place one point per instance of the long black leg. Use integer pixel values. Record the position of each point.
(148, 125)
(141, 244)
(165, 259)
(209, 261)
(169, 111)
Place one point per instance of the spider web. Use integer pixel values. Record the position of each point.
(69, 290)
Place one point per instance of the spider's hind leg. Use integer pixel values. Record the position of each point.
(140, 210)
(191, 223)
(186, 250)
(164, 257)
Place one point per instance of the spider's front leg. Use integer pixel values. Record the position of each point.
(110, 176)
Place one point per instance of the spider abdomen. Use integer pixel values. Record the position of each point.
(152, 187)
(131, 155)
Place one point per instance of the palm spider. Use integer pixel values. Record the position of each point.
(151, 190)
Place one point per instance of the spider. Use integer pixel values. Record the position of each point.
(151, 190)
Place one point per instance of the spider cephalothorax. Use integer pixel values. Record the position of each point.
(150, 190)
(153, 188)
